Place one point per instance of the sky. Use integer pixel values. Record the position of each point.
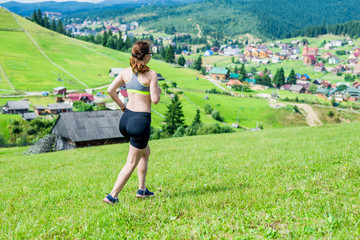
(32, 1)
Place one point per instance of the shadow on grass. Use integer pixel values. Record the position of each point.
(207, 190)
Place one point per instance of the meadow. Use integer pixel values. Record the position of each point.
(298, 183)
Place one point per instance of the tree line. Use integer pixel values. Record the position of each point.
(351, 28)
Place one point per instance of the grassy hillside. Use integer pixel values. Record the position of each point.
(244, 185)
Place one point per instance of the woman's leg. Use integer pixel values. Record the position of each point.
(142, 167)
(132, 161)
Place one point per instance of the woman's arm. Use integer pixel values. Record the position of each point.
(118, 81)
(154, 89)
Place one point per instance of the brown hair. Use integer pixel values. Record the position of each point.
(139, 50)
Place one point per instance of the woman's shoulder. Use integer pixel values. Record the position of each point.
(152, 73)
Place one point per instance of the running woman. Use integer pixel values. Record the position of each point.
(142, 86)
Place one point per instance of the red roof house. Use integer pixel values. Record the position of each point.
(85, 97)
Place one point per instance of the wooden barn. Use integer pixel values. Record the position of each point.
(85, 129)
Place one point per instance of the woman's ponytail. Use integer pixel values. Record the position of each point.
(139, 51)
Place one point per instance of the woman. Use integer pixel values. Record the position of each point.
(142, 87)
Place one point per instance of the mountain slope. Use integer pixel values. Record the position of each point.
(272, 19)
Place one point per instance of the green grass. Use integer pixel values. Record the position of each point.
(7, 22)
(292, 183)
(4, 122)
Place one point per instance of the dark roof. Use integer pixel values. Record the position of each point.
(55, 106)
(39, 107)
(29, 116)
(17, 105)
(87, 126)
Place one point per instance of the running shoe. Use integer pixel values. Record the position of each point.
(110, 199)
(144, 193)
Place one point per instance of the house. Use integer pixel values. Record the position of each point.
(295, 50)
(160, 77)
(59, 90)
(305, 86)
(339, 68)
(309, 60)
(219, 73)
(322, 92)
(336, 43)
(319, 67)
(275, 59)
(317, 82)
(242, 59)
(353, 92)
(114, 72)
(234, 76)
(265, 61)
(85, 97)
(356, 84)
(231, 50)
(285, 50)
(250, 80)
(215, 49)
(16, 107)
(325, 84)
(328, 46)
(334, 60)
(83, 129)
(186, 52)
(29, 116)
(310, 51)
(256, 60)
(294, 57)
(208, 53)
(124, 27)
(56, 108)
(135, 24)
(326, 55)
(232, 83)
(123, 95)
(337, 94)
(285, 87)
(357, 68)
(40, 109)
(264, 53)
(297, 89)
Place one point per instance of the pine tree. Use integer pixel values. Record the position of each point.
(170, 54)
(242, 74)
(266, 80)
(53, 25)
(174, 117)
(46, 22)
(181, 61)
(60, 28)
(196, 120)
(39, 17)
(104, 38)
(34, 17)
(292, 77)
(198, 63)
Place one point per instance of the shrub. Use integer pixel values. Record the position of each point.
(296, 109)
(180, 132)
(209, 129)
(208, 109)
(330, 113)
(215, 114)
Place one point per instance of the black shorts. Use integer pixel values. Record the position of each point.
(135, 127)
